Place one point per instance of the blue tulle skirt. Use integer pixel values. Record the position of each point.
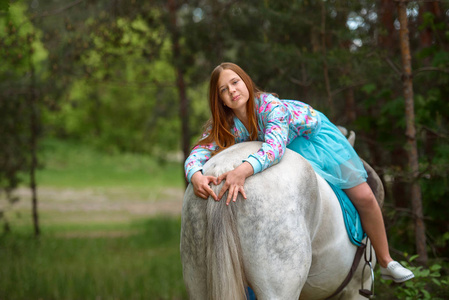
(331, 156)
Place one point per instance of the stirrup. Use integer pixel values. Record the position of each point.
(368, 293)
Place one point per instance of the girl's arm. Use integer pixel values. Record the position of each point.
(276, 128)
(194, 171)
(198, 157)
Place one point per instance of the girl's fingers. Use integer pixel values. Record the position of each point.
(233, 191)
(211, 192)
(230, 195)
(200, 195)
(221, 178)
(223, 190)
(236, 194)
(212, 179)
(242, 190)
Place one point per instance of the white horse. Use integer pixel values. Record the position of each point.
(287, 240)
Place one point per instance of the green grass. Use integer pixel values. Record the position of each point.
(74, 165)
(143, 263)
(102, 235)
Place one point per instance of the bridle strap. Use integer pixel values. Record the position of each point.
(355, 264)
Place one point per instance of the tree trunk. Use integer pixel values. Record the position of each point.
(428, 35)
(177, 61)
(350, 112)
(34, 131)
(386, 37)
(330, 101)
(411, 147)
(425, 35)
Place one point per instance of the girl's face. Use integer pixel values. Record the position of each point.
(233, 91)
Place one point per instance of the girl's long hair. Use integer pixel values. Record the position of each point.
(222, 117)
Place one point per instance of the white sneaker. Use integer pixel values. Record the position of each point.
(396, 272)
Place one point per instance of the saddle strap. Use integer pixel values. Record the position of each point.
(355, 264)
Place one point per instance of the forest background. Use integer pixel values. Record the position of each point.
(129, 79)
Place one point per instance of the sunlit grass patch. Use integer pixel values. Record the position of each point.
(71, 164)
(79, 186)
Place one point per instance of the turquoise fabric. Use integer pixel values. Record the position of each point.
(331, 156)
(351, 217)
(250, 294)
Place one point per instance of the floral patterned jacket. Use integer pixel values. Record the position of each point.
(279, 122)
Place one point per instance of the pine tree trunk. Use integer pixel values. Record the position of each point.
(330, 101)
(34, 131)
(411, 147)
(386, 38)
(183, 112)
(350, 112)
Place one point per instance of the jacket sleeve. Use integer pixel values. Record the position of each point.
(198, 157)
(275, 120)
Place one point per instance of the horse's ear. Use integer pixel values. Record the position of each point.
(343, 130)
(351, 137)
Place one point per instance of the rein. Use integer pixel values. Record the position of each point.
(358, 255)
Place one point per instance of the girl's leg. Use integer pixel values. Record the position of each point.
(372, 221)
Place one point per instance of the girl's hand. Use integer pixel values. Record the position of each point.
(201, 186)
(235, 181)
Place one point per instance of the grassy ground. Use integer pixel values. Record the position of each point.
(105, 264)
(69, 164)
(110, 229)
(80, 188)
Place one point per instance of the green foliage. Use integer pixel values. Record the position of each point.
(22, 71)
(432, 111)
(427, 284)
(126, 101)
(4, 5)
(21, 46)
